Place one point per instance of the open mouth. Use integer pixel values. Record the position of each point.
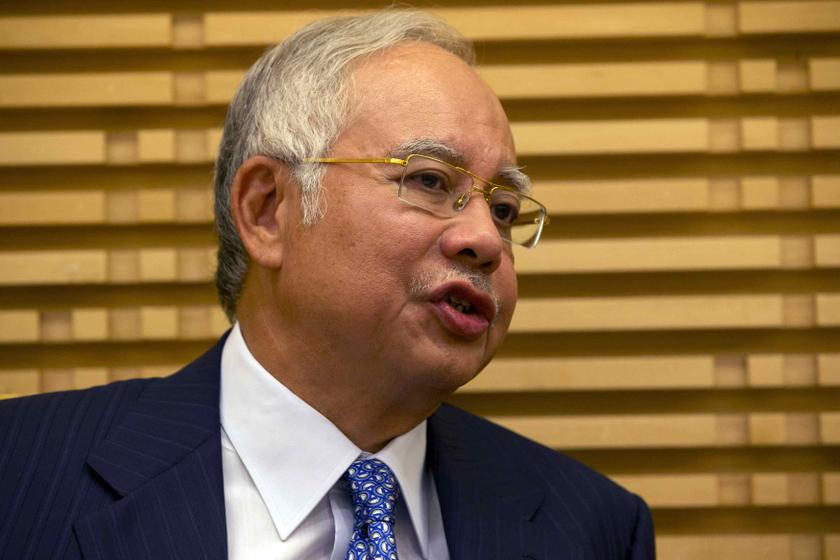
(461, 305)
(464, 311)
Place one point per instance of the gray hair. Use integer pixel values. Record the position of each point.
(293, 104)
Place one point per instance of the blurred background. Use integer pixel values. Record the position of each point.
(679, 326)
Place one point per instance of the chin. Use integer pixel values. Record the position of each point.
(446, 376)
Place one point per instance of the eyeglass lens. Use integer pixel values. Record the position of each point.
(444, 190)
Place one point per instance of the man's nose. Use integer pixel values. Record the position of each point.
(472, 237)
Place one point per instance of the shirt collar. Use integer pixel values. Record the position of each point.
(295, 455)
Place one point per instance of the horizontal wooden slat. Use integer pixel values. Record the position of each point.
(60, 207)
(656, 372)
(84, 90)
(49, 148)
(825, 131)
(52, 267)
(649, 254)
(827, 250)
(645, 313)
(828, 310)
(734, 547)
(676, 490)
(98, 266)
(151, 322)
(624, 196)
(677, 430)
(85, 31)
(258, 28)
(719, 490)
(830, 427)
(789, 17)
(597, 80)
(18, 383)
(824, 74)
(490, 23)
(613, 136)
(829, 369)
(124, 206)
(220, 85)
(626, 372)
(19, 326)
(825, 191)
(831, 488)
(591, 432)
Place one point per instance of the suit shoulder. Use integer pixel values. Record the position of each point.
(42, 401)
(557, 469)
(584, 506)
(35, 422)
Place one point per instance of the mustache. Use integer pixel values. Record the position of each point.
(426, 282)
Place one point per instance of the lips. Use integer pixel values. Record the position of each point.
(462, 310)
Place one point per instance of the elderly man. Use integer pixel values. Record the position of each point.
(367, 198)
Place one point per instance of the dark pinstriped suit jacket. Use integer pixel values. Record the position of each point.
(134, 470)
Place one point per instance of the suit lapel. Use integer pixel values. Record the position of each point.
(163, 461)
(488, 509)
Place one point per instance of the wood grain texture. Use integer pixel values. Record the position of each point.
(677, 326)
(77, 31)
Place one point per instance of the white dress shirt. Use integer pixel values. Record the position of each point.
(281, 461)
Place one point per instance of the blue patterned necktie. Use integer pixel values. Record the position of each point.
(375, 492)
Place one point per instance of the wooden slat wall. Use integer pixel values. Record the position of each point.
(679, 328)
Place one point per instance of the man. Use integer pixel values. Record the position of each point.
(367, 198)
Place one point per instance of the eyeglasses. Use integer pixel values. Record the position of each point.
(445, 189)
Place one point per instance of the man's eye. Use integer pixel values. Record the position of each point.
(429, 181)
(505, 214)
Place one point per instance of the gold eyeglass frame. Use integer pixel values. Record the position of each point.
(461, 201)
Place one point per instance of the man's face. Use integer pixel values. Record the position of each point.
(379, 285)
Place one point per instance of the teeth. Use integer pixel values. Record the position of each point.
(461, 305)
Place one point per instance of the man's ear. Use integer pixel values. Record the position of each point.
(260, 200)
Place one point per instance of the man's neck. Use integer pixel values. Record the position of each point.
(369, 413)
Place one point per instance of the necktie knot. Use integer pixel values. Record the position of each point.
(375, 492)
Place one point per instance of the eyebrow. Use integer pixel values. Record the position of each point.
(429, 147)
(516, 178)
(512, 176)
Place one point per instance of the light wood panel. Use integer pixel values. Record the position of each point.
(640, 431)
(52, 267)
(85, 31)
(762, 371)
(788, 17)
(88, 89)
(648, 313)
(687, 152)
(113, 266)
(747, 547)
(708, 490)
(52, 148)
(825, 74)
(149, 322)
(652, 254)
